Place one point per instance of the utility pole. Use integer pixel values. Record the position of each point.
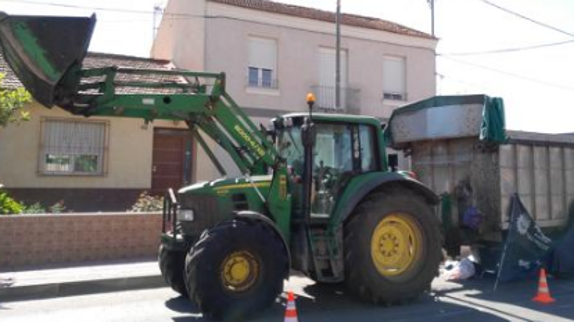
(157, 11)
(431, 4)
(338, 57)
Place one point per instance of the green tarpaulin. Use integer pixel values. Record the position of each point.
(493, 127)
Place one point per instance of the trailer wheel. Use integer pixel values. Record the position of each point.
(236, 269)
(171, 265)
(392, 248)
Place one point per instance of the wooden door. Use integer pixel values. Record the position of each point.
(171, 161)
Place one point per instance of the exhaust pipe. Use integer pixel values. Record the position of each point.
(46, 53)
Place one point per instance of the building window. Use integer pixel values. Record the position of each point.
(73, 147)
(262, 69)
(394, 78)
(327, 80)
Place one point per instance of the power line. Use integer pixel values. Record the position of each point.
(62, 5)
(129, 11)
(534, 80)
(545, 25)
(508, 50)
(457, 80)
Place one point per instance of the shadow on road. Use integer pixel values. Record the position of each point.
(519, 296)
(330, 303)
(181, 304)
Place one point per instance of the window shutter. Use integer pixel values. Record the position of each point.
(327, 67)
(63, 137)
(262, 53)
(394, 75)
(66, 142)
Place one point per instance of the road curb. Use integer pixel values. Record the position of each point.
(44, 291)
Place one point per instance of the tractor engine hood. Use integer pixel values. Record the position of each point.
(46, 53)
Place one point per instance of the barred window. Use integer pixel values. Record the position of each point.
(262, 66)
(73, 147)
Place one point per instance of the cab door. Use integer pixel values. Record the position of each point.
(341, 152)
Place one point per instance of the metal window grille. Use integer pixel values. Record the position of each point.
(350, 99)
(73, 147)
(261, 77)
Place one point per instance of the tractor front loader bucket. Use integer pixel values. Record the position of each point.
(46, 53)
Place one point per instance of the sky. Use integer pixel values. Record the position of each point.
(537, 84)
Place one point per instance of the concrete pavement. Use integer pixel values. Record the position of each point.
(146, 298)
(472, 301)
(98, 277)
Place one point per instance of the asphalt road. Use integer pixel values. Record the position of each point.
(472, 301)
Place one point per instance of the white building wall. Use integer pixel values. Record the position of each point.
(221, 44)
(298, 59)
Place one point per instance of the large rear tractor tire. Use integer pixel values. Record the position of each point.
(171, 265)
(392, 248)
(236, 269)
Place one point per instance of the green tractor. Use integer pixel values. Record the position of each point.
(316, 194)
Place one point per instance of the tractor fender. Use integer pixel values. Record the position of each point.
(378, 182)
(253, 216)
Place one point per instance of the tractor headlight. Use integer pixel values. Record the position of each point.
(185, 215)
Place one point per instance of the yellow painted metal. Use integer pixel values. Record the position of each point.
(396, 244)
(243, 186)
(239, 271)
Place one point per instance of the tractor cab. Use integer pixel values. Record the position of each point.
(343, 148)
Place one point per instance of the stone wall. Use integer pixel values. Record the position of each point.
(57, 239)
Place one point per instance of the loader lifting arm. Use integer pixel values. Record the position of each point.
(214, 112)
(47, 53)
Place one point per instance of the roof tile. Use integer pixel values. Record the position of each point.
(327, 16)
(99, 60)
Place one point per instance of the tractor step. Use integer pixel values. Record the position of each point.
(327, 255)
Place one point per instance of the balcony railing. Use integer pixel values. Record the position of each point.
(262, 83)
(395, 96)
(325, 96)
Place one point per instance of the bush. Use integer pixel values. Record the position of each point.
(34, 209)
(147, 203)
(9, 205)
(58, 207)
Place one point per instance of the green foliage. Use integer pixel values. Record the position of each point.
(8, 205)
(147, 203)
(58, 207)
(35, 208)
(12, 103)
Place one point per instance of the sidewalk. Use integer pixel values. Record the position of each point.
(98, 277)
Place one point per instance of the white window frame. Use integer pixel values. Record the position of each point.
(394, 94)
(72, 149)
(261, 65)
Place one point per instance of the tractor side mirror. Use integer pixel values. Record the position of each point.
(271, 134)
(308, 133)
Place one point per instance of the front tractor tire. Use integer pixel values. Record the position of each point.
(392, 248)
(236, 269)
(171, 265)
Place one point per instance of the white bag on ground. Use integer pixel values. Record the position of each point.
(460, 270)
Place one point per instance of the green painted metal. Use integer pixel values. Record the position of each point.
(42, 51)
(280, 201)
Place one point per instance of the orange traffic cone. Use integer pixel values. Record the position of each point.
(291, 311)
(543, 295)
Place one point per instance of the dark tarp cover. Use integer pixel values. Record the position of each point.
(492, 128)
(526, 248)
(563, 260)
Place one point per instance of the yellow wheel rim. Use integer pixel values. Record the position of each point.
(239, 271)
(396, 244)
